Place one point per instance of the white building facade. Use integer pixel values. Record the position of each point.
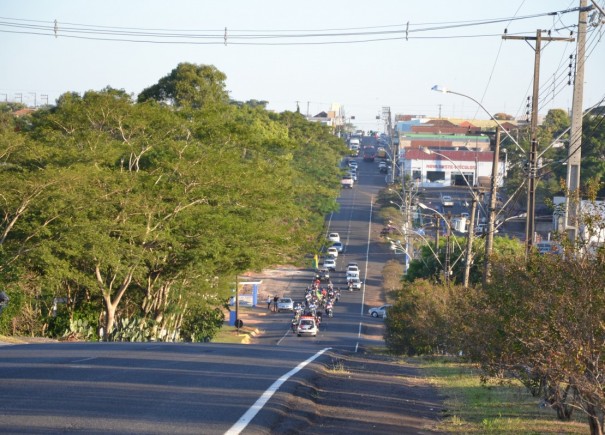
(442, 168)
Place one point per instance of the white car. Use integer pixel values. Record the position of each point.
(352, 275)
(355, 282)
(285, 304)
(353, 164)
(307, 326)
(334, 237)
(339, 246)
(353, 269)
(330, 264)
(379, 311)
(332, 251)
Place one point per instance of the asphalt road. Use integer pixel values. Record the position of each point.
(135, 387)
(196, 388)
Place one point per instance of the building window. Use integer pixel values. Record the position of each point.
(435, 176)
(416, 175)
(459, 179)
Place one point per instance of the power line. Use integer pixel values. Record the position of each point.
(252, 37)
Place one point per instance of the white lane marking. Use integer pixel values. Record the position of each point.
(83, 359)
(245, 419)
(363, 292)
(285, 335)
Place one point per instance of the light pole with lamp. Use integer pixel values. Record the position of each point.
(446, 268)
(530, 221)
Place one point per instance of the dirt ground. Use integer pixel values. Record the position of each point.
(363, 394)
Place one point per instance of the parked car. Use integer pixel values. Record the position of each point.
(285, 304)
(353, 164)
(330, 264)
(346, 182)
(340, 247)
(379, 311)
(332, 251)
(334, 237)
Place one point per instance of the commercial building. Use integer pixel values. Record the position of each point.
(442, 168)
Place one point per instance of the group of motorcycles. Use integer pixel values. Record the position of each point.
(318, 300)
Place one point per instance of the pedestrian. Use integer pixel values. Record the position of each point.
(275, 299)
(3, 301)
(269, 299)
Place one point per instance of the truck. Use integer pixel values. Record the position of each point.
(369, 154)
(354, 145)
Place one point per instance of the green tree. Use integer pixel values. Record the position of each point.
(189, 85)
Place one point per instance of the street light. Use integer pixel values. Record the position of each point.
(445, 90)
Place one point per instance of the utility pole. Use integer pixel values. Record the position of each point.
(448, 251)
(574, 153)
(489, 239)
(469, 242)
(533, 153)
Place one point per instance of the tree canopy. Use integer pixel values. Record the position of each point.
(120, 214)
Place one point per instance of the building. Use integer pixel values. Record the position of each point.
(441, 168)
(444, 141)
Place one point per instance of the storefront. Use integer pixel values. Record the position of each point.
(448, 167)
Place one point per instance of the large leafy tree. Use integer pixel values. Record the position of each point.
(149, 211)
(189, 85)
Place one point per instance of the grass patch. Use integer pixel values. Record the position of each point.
(492, 407)
(338, 367)
(229, 334)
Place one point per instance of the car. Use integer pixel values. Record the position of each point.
(330, 264)
(307, 325)
(347, 182)
(355, 282)
(332, 251)
(353, 164)
(379, 311)
(334, 237)
(340, 247)
(323, 274)
(351, 275)
(353, 268)
(285, 304)
(353, 175)
(447, 201)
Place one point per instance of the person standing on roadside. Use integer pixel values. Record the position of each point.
(275, 299)
(269, 299)
(3, 301)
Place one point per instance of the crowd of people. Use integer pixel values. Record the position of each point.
(319, 299)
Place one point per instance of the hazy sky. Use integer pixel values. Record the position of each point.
(448, 43)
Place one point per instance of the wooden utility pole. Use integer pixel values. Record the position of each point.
(491, 220)
(448, 251)
(469, 242)
(533, 153)
(574, 153)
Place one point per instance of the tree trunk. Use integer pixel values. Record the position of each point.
(594, 421)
